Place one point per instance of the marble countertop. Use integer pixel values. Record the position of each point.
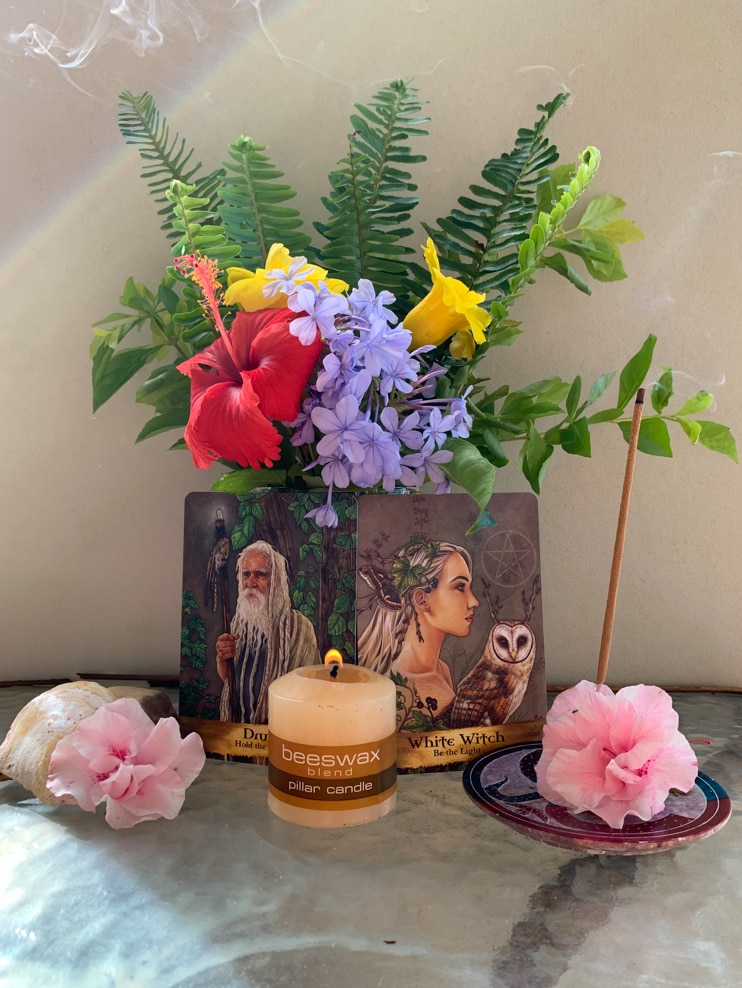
(435, 894)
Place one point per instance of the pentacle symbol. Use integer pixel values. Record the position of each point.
(508, 558)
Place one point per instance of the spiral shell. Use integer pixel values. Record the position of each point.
(41, 724)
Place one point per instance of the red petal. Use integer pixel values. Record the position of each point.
(280, 365)
(226, 422)
(209, 367)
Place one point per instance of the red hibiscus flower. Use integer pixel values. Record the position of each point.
(239, 385)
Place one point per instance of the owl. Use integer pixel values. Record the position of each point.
(494, 689)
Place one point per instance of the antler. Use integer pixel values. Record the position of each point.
(494, 605)
(529, 602)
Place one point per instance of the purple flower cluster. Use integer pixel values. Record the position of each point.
(370, 415)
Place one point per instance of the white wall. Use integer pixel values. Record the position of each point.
(91, 525)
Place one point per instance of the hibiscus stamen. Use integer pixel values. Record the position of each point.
(204, 272)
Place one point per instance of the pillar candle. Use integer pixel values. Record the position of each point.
(332, 745)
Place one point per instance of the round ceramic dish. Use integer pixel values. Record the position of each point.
(503, 783)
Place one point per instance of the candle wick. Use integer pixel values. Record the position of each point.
(334, 666)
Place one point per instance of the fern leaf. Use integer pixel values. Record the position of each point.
(478, 241)
(166, 157)
(371, 197)
(193, 220)
(252, 206)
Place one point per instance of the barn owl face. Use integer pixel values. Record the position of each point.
(513, 641)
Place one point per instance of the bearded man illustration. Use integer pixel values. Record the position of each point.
(267, 636)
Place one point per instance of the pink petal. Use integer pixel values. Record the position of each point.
(162, 746)
(577, 777)
(160, 795)
(191, 758)
(69, 775)
(568, 701)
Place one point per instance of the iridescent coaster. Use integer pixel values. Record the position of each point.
(503, 783)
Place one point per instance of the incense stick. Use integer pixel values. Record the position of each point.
(623, 513)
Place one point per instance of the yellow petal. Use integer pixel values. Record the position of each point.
(431, 258)
(248, 294)
(462, 345)
(278, 257)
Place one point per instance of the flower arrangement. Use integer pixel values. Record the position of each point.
(117, 756)
(298, 380)
(614, 754)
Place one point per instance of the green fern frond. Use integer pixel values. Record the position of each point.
(166, 158)
(479, 241)
(193, 220)
(372, 197)
(251, 207)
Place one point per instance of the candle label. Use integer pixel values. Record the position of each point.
(332, 777)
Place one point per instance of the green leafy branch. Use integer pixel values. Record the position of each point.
(526, 417)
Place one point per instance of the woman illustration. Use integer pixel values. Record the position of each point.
(427, 596)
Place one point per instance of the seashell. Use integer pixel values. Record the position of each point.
(41, 724)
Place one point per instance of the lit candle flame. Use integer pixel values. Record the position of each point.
(334, 660)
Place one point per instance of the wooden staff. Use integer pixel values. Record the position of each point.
(623, 513)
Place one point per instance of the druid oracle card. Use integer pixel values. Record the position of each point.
(455, 620)
(265, 590)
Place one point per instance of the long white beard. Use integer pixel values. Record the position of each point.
(252, 623)
(252, 611)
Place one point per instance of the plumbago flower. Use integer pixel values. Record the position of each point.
(118, 756)
(614, 754)
(332, 368)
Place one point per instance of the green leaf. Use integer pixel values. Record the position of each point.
(601, 211)
(336, 624)
(535, 456)
(700, 401)
(112, 370)
(251, 209)
(470, 470)
(606, 415)
(573, 397)
(633, 374)
(504, 334)
(690, 427)
(165, 158)
(575, 438)
(176, 418)
(610, 266)
(622, 232)
(492, 442)
(557, 262)
(662, 391)
(166, 388)
(653, 436)
(480, 240)
(718, 438)
(600, 387)
(244, 481)
(371, 196)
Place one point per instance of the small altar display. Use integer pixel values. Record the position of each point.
(402, 587)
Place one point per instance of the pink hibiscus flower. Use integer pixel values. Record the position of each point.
(614, 754)
(255, 373)
(117, 755)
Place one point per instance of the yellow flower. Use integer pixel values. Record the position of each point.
(245, 288)
(449, 308)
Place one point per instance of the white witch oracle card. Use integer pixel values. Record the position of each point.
(455, 620)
